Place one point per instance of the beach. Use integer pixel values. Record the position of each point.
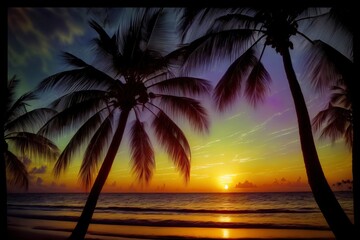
(172, 216)
(25, 229)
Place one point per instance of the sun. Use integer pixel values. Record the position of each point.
(226, 187)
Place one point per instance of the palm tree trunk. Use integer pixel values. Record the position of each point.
(83, 223)
(335, 216)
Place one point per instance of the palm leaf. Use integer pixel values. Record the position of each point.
(203, 17)
(79, 138)
(235, 20)
(183, 85)
(336, 124)
(336, 121)
(156, 32)
(70, 117)
(93, 153)
(257, 84)
(19, 106)
(190, 108)
(321, 117)
(142, 153)
(229, 86)
(30, 120)
(11, 86)
(340, 96)
(174, 141)
(34, 145)
(188, 18)
(16, 170)
(74, 98)
(212, 48)
(326, 65)
(104, 41)
(85, 77)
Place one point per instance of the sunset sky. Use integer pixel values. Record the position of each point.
(246, 149)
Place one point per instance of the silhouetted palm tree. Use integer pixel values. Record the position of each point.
(237, 33)
(132, 80)
(336, 121)
(346, 17)
(18, 142)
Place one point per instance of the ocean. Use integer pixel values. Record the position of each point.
(297, 210)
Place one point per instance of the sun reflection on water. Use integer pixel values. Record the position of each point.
(225, 233)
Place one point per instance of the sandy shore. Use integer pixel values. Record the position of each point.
(31, 229)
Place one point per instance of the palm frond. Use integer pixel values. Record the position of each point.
(184, 85)
(190, 108)
(326, 65)
(158, 34)
(213, 48)
(33, 145)
(188, 18)
(76, 97)
(104, 41)
(19, 106)
(94, 151)
(85, 77)
(235, 20)
(12, 84)
(74, 145)
(70, 117)
(321, 118)
(142, 153)
(32, 120)
(335, 121)
(229, 86)
(195, 20)
(16, 171)
(149, 62)
(174, 141)
(341, 96)
(257, 85)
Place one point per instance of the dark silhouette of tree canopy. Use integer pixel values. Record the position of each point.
(346, 18)
(132, 78)
(336, 121)
(19, 141)
(242, 36)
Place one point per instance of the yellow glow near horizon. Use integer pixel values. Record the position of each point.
(226, 187)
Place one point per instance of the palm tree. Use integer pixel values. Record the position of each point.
(346, 19)
(132, 80)
(337, 117)
(18, 142)
(237, 33)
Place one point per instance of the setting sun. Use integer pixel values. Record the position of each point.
(226, 187)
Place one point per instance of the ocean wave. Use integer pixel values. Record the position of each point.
(166, 210)
(174, 223)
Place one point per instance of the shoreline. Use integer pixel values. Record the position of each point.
(30, 229)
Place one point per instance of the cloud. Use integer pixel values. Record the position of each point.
(36, 36)
(40, 170)
(245, 184)
(283, 182)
